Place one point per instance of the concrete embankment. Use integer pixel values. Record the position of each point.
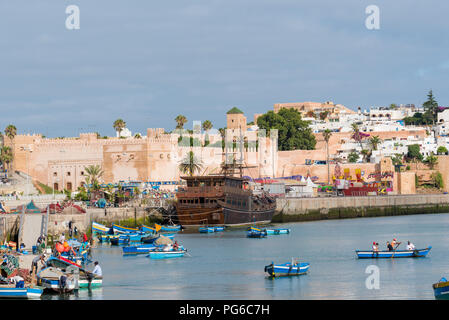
(308, 209)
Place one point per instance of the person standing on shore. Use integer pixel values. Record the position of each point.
(70, 228)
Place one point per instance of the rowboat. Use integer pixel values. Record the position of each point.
(287, 269)
(206, 229)
(218, 229)
(126, 238)
(441, 289)
(152, 238)
(52, 278)
(84, 280)
(10, 291)
(145, 248)
(147, 229)
(166, 254)
(272, 231)
(106, 238)
(167, 228)
(277, 231)
(99, 228)
(418, 253)
(256, 234)
(121, 229)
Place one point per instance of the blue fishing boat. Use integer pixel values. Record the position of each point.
(147, 229)
(287, 269)
(277, 231)
(369, 254)
(52, 278)
(123, 230)
(145, 248)
(85, 280)
(9, 291)
(206, 229)
(166, 228)
(219, 229)
(121, 239)
(256, 234)
(99, 228)
(441, 289)
(152, 238)
(166, 254)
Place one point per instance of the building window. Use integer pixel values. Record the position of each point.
(55, 174)
(82, 173)
(68, 174)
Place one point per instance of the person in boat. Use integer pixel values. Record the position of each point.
(175, 246)
(97, 272)
(410, 246)
(375, 246)
(389, 246)
(395, 243)
(62, 238)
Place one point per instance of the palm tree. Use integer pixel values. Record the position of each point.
(6, 156)
(119, 125)
(327, 135)
(94, 173)
(190, 164)
(375, 141)
(11, 132)
(137, 136)
(207, 125)
(180, 121)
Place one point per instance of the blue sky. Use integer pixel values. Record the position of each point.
(148, 61)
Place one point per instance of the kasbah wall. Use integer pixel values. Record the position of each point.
(156, 158)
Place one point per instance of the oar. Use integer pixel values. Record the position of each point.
(394, 251)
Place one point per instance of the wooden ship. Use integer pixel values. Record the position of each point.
(222, 199)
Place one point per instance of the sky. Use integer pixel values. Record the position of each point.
(148, 61)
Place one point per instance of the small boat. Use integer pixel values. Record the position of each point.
(219, 229)
(441, 289)
(147, 229)
(145, 248)
(166, 254)
(277, 231)
(52, 278)
(287, 269)
(126, 238)
(418, 253)
(84, 280)
(151, 238)
(206, 229)
(10, 291)
(256, 234)
(166, 228)
(122, 230)
(99, 228)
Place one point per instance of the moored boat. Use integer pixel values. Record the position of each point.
(441, 289)
(287, 269)
(167, 228)
(99, 228)
(121, 229)
(277, 231)
(206, 229)
(52, 278)
(145, 248)
(10, 291)
(219, 229)
(85, 279)
(369, 254)
(256, 234)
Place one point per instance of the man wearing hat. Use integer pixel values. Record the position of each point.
(395, 243)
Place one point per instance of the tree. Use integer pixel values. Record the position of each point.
(190, 164)
(327, 135)
(180, 121)
(375, 141)
(442, 150)
(93, 175)
(207, 125)
(11, 132)
(397, 159)
(414, 152)
(6, 156)
(437, 179)
(353, 157)
(137, 136)
(293, 132)
(119, 125)
(431, 107)
(431, 161)
(357, 134)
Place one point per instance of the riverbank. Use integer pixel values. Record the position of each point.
(309, 209)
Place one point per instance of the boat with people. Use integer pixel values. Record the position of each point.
(370, 254)
(441, 289)
(85, 278)
(292, 268)
(167, 254)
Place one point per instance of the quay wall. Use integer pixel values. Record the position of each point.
(307, 209)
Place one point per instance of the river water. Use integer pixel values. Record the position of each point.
(228, 265)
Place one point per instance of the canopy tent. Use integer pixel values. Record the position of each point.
(29, 208)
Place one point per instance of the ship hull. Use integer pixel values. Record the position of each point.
(199, 216)
(234, 217)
